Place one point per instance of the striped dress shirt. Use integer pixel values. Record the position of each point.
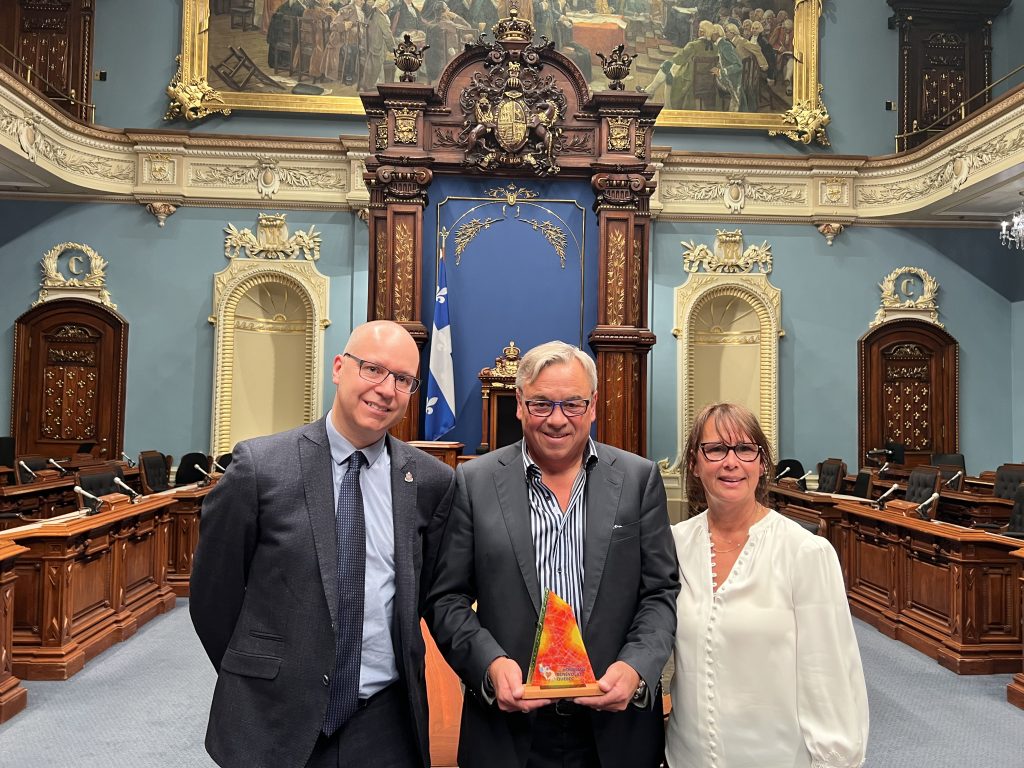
(558, 536)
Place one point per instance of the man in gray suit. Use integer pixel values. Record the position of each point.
(306, 585)
(557, 511)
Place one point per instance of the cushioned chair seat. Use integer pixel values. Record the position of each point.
(154, 471)
(796, 470)
(187, 472)
(1015, 528)
(922, 483)
(1008, 477)
(831, 473)
(33, 462)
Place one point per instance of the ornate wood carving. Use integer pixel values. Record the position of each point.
(13, 696)
(69, 379)
(945, 58)
(515, 109)
(909, 379)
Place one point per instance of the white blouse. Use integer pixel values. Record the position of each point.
(767, 669)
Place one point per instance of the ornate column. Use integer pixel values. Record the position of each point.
(397, 178)
(623, 186)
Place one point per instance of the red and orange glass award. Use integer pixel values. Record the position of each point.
(560, 667)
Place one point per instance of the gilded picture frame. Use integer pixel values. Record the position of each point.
(226, 53)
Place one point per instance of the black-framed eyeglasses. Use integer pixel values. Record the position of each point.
(376, 373)
(717, 451)
(570, 408)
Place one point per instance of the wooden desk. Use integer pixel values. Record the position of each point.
(184, 535)
(809, 507)
(950, 592)
(46, 498)
(13, 697)
(87, 583)
(1015, 690)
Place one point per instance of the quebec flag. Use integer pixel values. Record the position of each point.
(440, 409)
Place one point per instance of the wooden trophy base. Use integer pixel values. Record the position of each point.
(577, 691)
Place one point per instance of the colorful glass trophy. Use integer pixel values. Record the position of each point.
(560, 667)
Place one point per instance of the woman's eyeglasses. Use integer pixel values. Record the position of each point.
(718, 451)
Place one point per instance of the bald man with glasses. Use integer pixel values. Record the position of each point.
(306, 588)
(557, 511)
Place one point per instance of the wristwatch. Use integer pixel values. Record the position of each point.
(641, 691)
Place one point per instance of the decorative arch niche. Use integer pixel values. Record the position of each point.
(270, 318)
(727, 327)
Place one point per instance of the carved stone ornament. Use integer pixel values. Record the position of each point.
(908, 292)
(809, 120)
(193, 100)
(728, 256)
(511, 112)
(616, 66)
(67, 279)
(271, 240)
(830, 230)
(161, 211)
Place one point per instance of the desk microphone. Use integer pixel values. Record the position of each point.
(207, 475)
(218, 466)
(886, 495)
(804, 476)
(782, 474)
(99, 502)
(954, 478)
(127, 459)
(28, 469)
(882, 468)
(58, 466)
(923, 506)
(136, 496)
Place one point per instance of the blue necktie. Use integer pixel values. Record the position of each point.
(350, 532)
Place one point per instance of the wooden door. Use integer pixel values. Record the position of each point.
(908, 390)
(69, 379)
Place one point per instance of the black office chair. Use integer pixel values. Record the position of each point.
(1015, 527)
(33, 462)
(831, 473)
(187, 472)
(946, 474)
(862, 485)
(796, 471)
(922, 483)
(99, 481)
(154, 471)
(1008, 477)
(896, 453)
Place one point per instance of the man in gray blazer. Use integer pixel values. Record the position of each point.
(311, 669)
(557, 511)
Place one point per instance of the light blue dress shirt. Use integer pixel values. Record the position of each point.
(378, 669)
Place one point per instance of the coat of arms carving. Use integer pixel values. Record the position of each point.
(512, 112)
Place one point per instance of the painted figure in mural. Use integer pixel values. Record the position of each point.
(379, 46)
(482, 15)
(557, 510)
(753, 67)
(728, 72)
(306, 585)
(756, 585)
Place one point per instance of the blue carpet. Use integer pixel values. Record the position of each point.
(143, 704)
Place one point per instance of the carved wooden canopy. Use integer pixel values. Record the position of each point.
(511, 105)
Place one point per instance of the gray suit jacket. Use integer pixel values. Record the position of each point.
(264, 593)
(629, 598)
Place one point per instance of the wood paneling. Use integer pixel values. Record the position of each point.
(13, 696)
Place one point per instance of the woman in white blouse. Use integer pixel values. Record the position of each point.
(767, 669)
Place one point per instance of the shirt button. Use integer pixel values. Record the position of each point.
(327, 680)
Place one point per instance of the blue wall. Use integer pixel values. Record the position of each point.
(161, 280)
(829, 296)
(1017, 377)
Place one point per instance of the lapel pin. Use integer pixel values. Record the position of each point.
(408, 477)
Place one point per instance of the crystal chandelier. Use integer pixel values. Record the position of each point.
(1012, 233)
